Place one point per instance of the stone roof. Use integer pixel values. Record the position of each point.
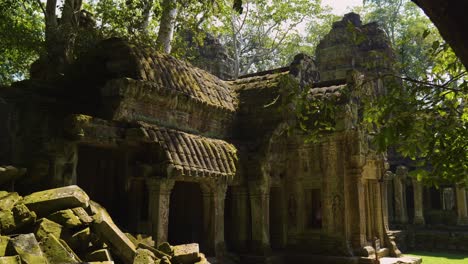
(123, 59)
(261, 80)
(328, 90)
(193, 155)
(184, 154)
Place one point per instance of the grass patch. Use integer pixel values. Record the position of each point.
(440, 257)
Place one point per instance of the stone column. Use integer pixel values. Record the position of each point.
(356, 215)
(401, 214)
(159, 199)
(418, 202)
(388, 196)
(214, 194)
(259, 206)
(461, 206)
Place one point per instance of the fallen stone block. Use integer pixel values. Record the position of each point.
(66, 218)
(19, 216)
(80, 240)
(49, 201)
(186, 249)
(44, 227)
(7, 222)
(10, 260)
(99, 255)
(56, 252)
(188, 258)
(82, 215)
(27, 247)
(8, 201)
(144, 256)
(105, 228)
(23, 216)
(157, 253)
(3, 193)
(166, 248)
(4, 240)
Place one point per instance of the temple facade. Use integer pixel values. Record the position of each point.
(177, 153)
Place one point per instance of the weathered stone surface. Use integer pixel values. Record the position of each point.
(144, 256)
(157, 253)
(166, 248)
(27, 247)
(44, 227)
(105, 228)
(22, 215)
(80, 240)
(66, 218)
(186, 249)
(82, 215)
(10, 260)
(4, 240)
(188, 258)
(56, 252)
(49, 201)
(7, 221)
(8, 201)
(99, 255)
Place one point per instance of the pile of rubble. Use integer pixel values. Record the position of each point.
(64, 226)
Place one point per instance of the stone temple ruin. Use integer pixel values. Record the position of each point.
(177, 153)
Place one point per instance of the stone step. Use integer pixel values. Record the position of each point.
(401, 260)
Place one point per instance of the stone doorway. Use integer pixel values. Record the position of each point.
(186, 214)
(410, 203)
(101, 173)
(277, 227)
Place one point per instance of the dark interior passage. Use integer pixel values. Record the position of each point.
(101, 173)
(185, 214)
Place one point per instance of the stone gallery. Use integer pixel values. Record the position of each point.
(177, 153)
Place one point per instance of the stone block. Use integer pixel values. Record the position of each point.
(144, 256)
(44, 227)
(23, 216)
(7, 222)
(99, 255)
(10, 260)
(157, 253)
(27, 247)
(188, 258)
(105, 228)
(186, 249)
(166, 248)
(82, 215)
(80, 240)
(8, 201)
(66, 218)
(4, 240)
(56, 252)
(49, 201)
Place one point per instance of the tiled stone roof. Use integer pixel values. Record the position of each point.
(193, 155)
(126, 60)
(262, 80)
(330, 91)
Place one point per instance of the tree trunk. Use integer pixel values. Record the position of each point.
(166, 27)
(450, 18)
(60, 37)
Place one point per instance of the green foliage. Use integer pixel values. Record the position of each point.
(21, 38)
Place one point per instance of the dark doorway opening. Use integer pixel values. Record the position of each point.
(277, 227)
(101, 173)
(186, 214)
(410, 203)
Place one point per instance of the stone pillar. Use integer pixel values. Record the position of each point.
(401, 213)
(418, 202)
(461, 206)
(214, 194)
(159, 199)
(259, 206)
(388, 196)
